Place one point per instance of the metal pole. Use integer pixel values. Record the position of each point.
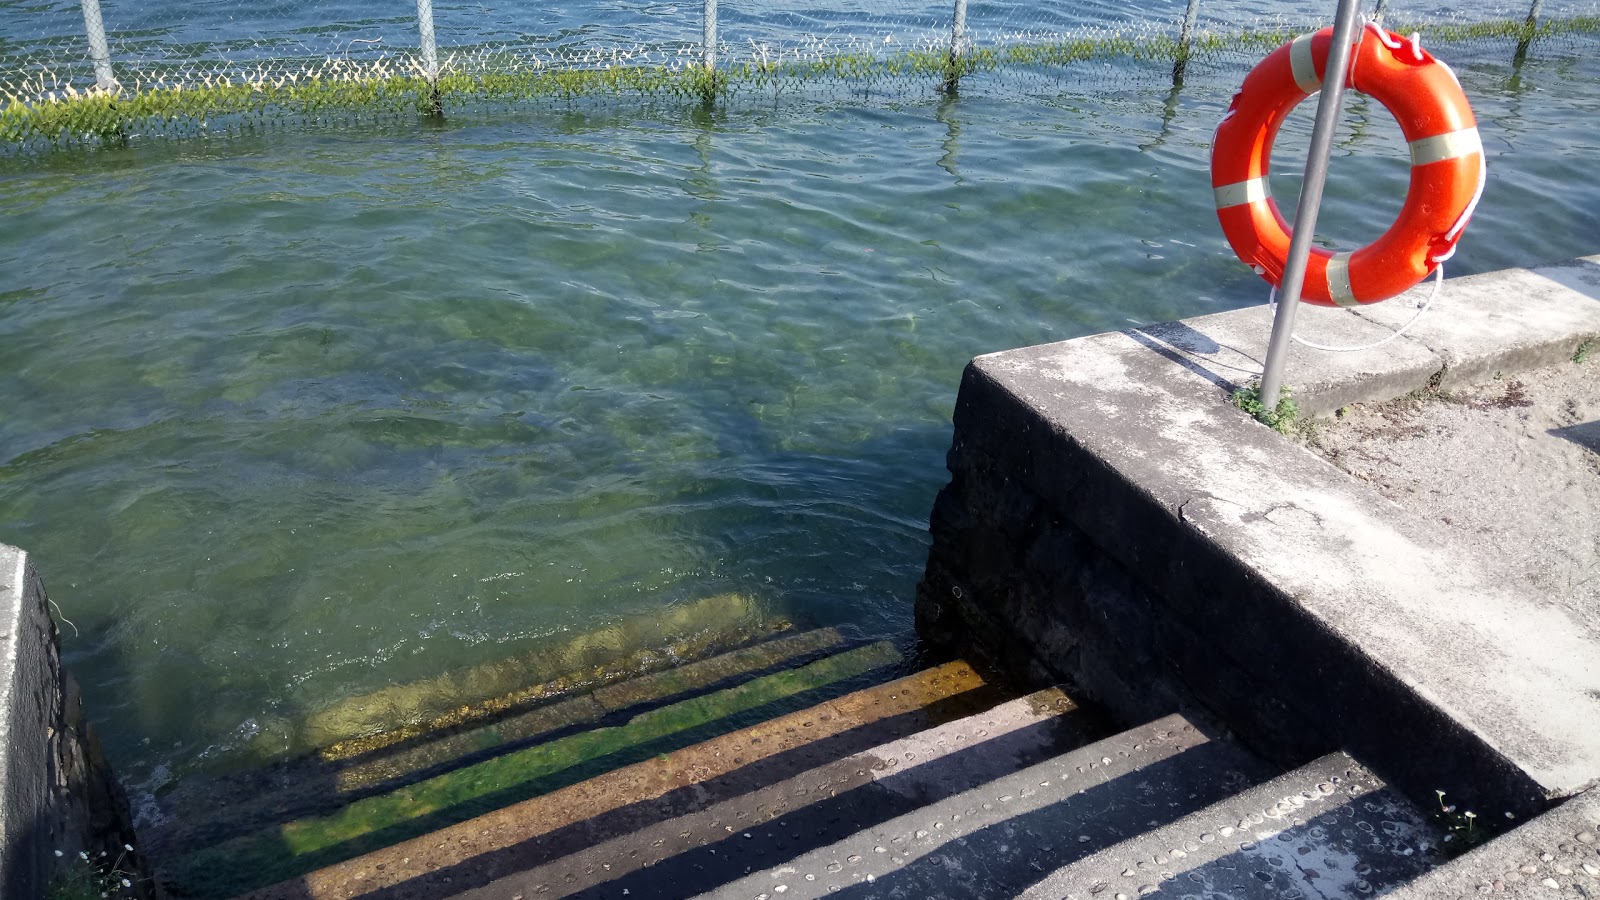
(958, 47)
(1305, 217)
(1528, 29)
(99, 53)
(708, 37)
(1185, 43)
(430, 49)
(430, 56)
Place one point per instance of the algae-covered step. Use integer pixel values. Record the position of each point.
(578, 821)
(279, 852)
(313, 785)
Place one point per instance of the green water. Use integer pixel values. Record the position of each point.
(292, 415)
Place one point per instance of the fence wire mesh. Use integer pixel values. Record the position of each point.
(172, 66)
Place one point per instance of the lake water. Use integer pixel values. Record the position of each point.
(292, 414)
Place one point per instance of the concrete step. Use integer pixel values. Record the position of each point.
(688, 845)
(205, 811)
(1329, 830)
(305, 844)
(999, 837)
(644, 795)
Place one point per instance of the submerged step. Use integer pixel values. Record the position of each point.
(998, 838)
(702, 846)
(480, 850)
(1330, 830)
(282, 851)
(216, 811)
(630, 646)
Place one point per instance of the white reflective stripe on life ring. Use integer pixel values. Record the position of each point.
(1304, 65)
(1339, 289)
(1242, 192)
(1450, 145)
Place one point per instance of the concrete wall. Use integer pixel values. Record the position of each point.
(1112, 522)
(56, 792)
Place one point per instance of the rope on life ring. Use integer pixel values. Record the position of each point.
(1447, 165)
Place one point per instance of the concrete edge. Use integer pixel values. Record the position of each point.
(1557, 311)
(59, 804)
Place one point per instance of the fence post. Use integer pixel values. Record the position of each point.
(430, 56)
(708, 37)
(1185, 42)
(958, 48)
(99, 53)
(1528, 29)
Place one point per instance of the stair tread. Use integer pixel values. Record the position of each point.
(453, 797)
(1330, 829)
(775, 748)
(997, 839)
(313, 785)
(815, 807)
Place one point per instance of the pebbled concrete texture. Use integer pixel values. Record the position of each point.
(1000, 836)
(1555, 855)
(1252, 575)
(1330, 829)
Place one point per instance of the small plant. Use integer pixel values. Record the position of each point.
(1583, 351)
(87, 879)
(1283, 418)
(1462, 831)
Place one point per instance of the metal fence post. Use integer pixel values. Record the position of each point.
(1528, 29)
(958, 48)
(430, 56)
(1191, 16)
(1305, 217)
(99, 53)
(708, 37)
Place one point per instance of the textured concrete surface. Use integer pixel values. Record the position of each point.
(1555, 855)
(57, 796)
(1330, 829)
(1500, 321)
(999, 837)
(1506, 321)
(478, 851)
(1528, 444)
(1254, 575)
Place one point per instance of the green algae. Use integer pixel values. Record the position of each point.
(297, 847)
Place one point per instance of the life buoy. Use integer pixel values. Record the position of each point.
(1447, 165)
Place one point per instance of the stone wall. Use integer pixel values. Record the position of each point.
(58, 799)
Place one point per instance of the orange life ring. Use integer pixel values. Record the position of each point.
(1447, 165)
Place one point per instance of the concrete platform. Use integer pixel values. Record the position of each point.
(1113, 522)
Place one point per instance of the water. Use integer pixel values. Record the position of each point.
(293, 415)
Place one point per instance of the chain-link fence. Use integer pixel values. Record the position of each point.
(74, 70)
